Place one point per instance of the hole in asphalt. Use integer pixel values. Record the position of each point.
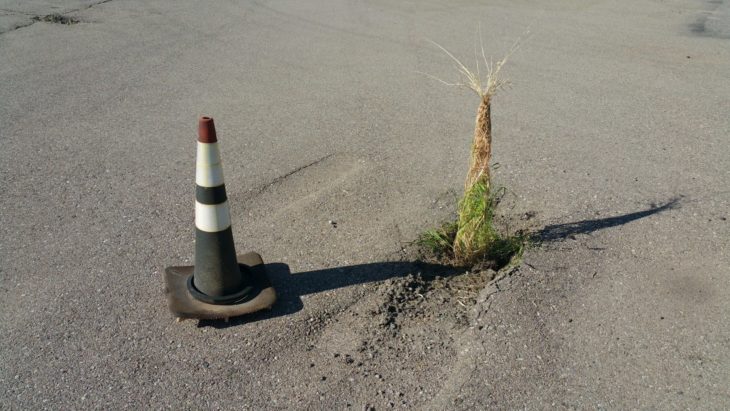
(56, 18)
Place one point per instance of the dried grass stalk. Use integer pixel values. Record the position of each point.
(481, 147)
(475, 232)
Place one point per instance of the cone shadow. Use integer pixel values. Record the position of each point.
(291, 287)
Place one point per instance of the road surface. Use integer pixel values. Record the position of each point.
(612, 141)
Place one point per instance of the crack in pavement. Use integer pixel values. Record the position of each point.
(262, 188)
(35, 18)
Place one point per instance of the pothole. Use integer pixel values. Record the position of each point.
(56, 18)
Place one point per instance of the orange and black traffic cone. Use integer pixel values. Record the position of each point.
(220, 284)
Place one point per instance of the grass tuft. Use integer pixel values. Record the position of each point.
(473, 237)
(439, 241)
(475, 232)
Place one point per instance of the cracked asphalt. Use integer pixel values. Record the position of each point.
(612, 141)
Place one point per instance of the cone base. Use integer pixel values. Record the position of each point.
(183, 305)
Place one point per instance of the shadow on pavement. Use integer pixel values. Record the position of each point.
(291, 287)
(558, 232)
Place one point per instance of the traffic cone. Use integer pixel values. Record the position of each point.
(220, 284)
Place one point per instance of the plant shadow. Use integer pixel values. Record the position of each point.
(291, 287)
(557, 232)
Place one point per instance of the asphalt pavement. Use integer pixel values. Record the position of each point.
(612, 141)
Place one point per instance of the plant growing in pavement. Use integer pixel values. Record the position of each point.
(473, 237)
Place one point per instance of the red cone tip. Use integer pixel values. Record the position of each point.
(206, 130)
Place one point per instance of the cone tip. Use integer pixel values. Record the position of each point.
(206, 130)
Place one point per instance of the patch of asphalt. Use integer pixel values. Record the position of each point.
(11, 20)
(713, 21)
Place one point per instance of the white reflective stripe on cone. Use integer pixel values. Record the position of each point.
(212, 217)
(209, 175)
(208, 153)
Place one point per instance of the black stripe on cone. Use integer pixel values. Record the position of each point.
(211, 195)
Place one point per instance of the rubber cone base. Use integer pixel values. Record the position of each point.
(184, 305)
